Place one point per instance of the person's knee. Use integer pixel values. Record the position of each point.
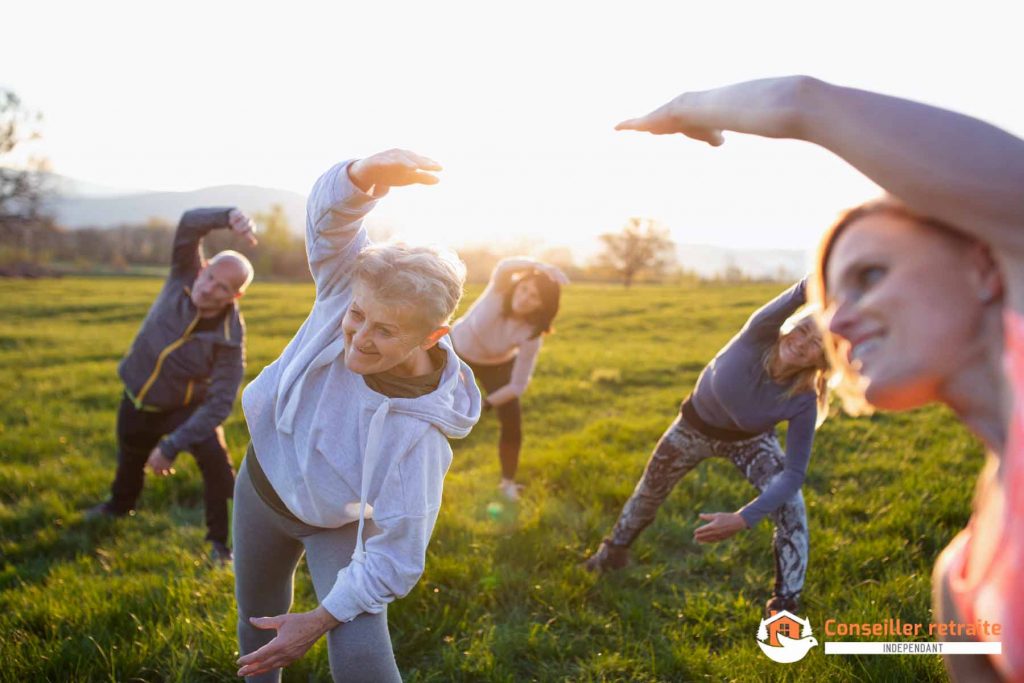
(259, 598)
(361, 650)
(509, 411)
(511, 437)
(215, 466)
(219, 486)
(790, 522)
(511, 428)
(212, 450)
(794, 510)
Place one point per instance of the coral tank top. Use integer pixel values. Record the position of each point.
(986, 560)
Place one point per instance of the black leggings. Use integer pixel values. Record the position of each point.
(494, 377)
(139, 432)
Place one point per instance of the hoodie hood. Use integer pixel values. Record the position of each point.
(454, 407)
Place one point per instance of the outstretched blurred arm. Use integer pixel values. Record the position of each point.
(508, 268)
(940, 163)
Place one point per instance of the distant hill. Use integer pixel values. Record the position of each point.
(712, 261)
(81, 204)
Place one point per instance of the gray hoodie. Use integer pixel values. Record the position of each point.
(334, 450)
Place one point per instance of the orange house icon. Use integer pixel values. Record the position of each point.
(784, 623)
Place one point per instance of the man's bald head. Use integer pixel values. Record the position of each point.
(237, 266)
(222, 280)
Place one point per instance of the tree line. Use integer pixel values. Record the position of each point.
(31, 241)
(638, 253)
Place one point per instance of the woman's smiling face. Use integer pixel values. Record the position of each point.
(905, 302)
(526, 297)
(379, 337)
(802, 346)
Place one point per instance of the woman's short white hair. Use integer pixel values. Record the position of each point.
(427, 280)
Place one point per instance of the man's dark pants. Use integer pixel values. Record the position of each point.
(138, 433)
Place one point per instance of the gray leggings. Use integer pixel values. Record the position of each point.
(760, 459)
(267, 550)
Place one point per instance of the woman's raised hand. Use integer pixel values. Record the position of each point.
(393, 168)
(771, 107)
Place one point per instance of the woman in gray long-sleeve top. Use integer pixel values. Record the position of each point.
(770, 372)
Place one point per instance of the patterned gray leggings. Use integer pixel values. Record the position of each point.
(760, 459)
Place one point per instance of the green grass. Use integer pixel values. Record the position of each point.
(502, 598)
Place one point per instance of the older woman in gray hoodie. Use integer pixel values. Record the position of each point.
(350, 429)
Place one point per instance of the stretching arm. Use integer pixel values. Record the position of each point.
(799, 439)
(766, 320)
(941, 164)
(522, 370)
(508, 268)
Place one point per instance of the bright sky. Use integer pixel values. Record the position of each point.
(516, 99)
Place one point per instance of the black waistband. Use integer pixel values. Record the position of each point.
(694, 420)
(264, 489)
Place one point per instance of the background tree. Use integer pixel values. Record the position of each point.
(24, 228)
(480, 261)
(642, 245)
(281, 253)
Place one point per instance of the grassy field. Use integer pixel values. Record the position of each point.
(502, 598)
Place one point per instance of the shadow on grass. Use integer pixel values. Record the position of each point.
(40, 539)
(31, 557)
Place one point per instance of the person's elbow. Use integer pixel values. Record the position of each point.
(797, 100)
(393, 576)
(408, 577)
(792, 482)
(219, 404)
(190, 217)
(205, 217)
(795, 483)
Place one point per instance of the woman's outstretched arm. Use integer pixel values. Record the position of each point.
(941, 164)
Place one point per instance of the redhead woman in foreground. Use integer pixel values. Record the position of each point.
(500, 337)
(924, 294)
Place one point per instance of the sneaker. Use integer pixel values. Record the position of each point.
(778, 603)
(221, 553)
(103, 510)
(608, 557)
(510, 490)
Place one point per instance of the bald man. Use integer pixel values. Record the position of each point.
(182, 372)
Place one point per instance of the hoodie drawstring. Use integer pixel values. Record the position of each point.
(373, 438)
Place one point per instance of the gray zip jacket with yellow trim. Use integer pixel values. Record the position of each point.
(169, 365)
